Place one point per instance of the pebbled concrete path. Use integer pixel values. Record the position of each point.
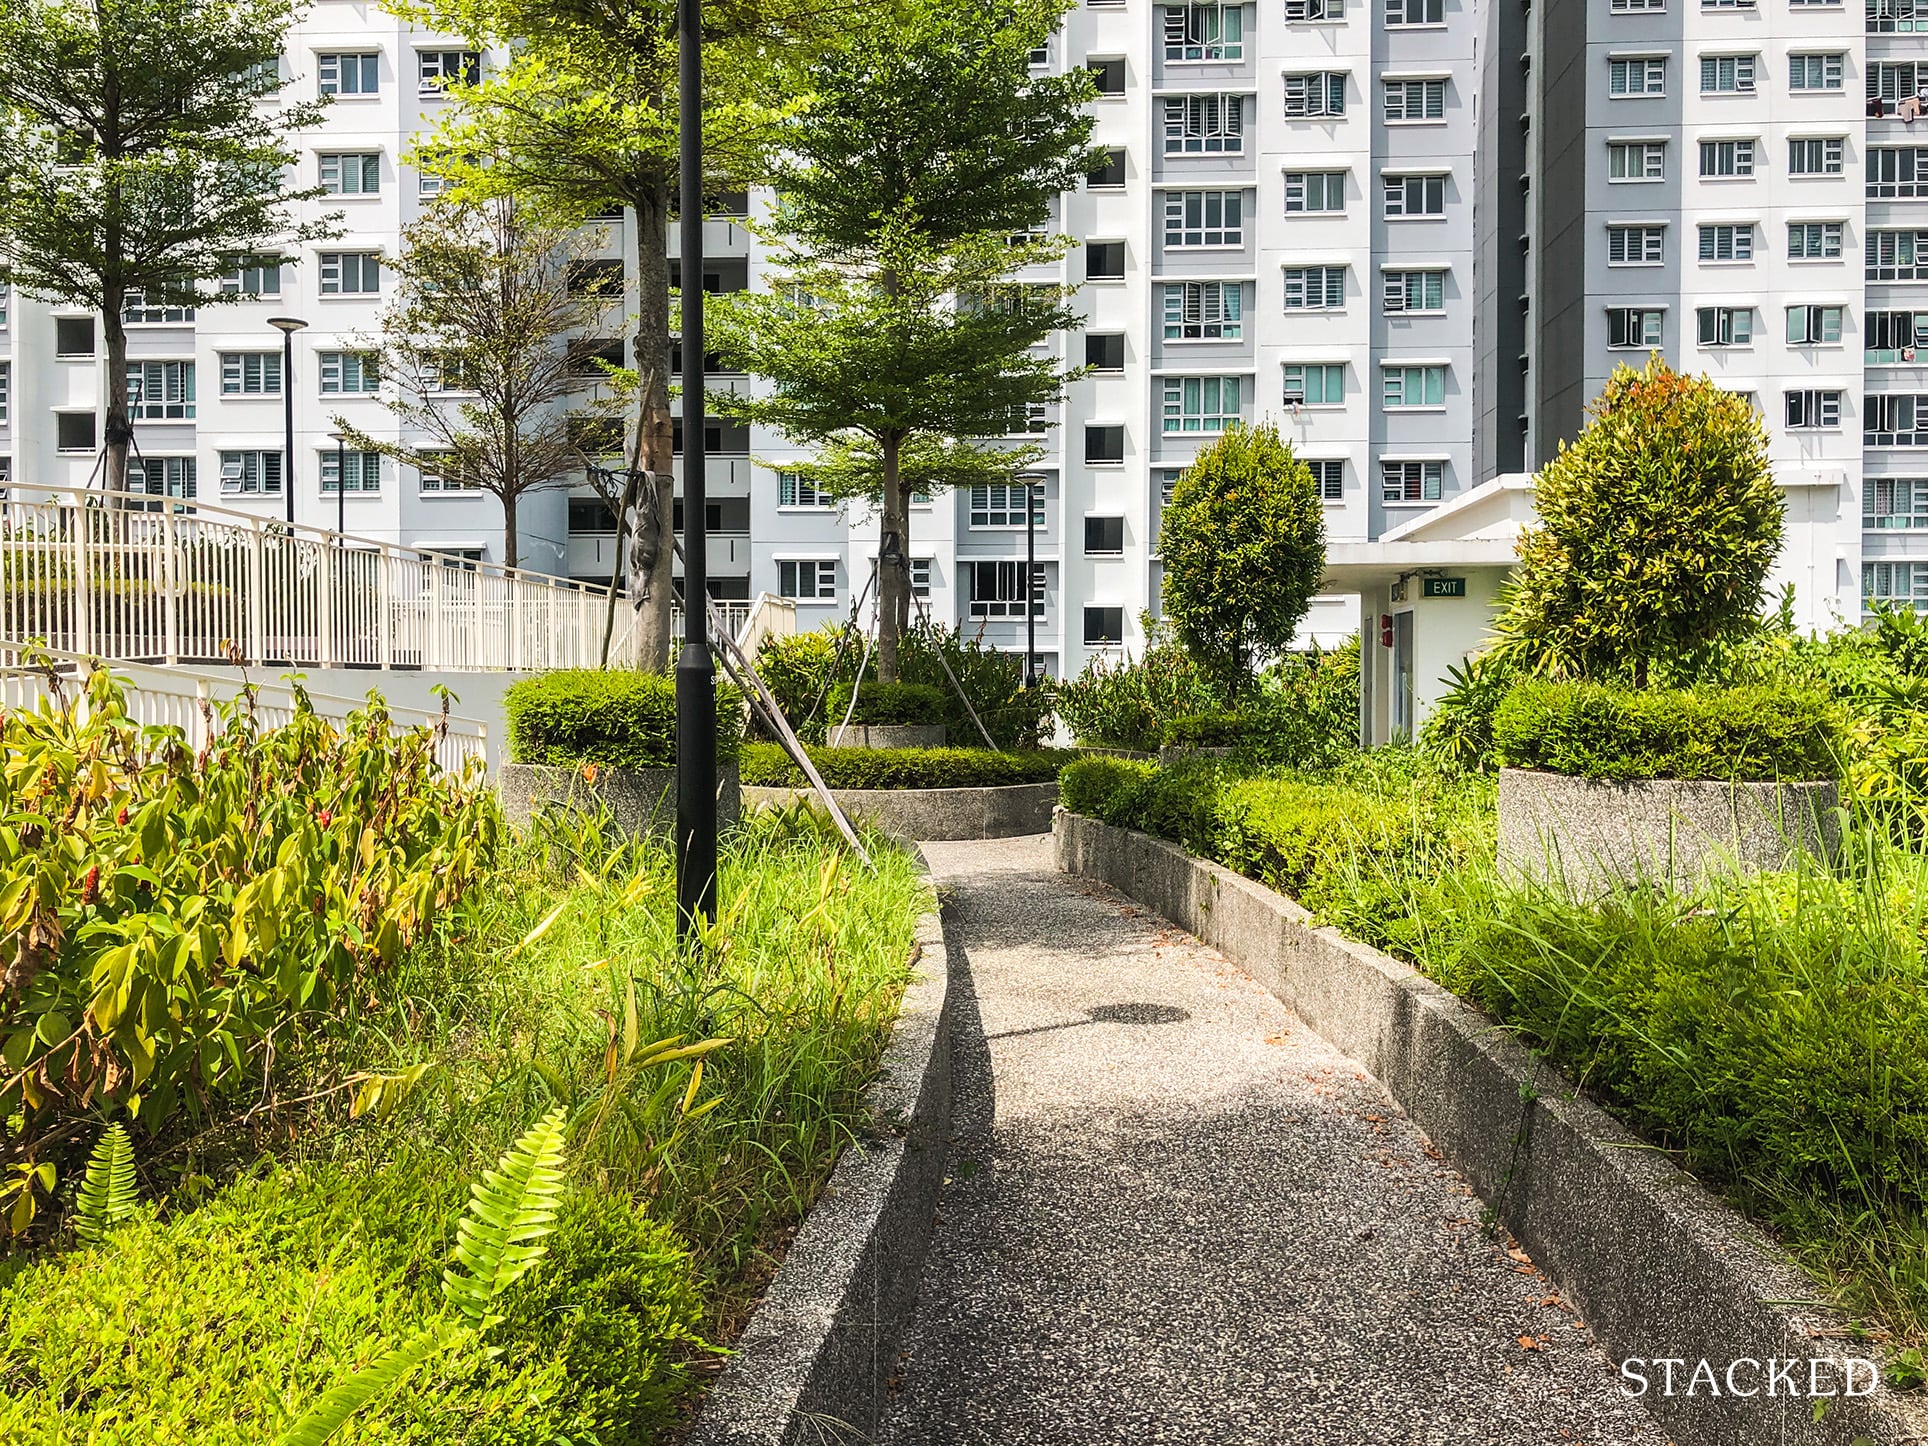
(1176, 1215)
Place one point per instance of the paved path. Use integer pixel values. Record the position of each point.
(1176, 1215)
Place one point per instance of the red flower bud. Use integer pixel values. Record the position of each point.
(121, 818)
(90, 886)
(324, 818)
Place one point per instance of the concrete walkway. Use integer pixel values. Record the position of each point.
(1175, 1215)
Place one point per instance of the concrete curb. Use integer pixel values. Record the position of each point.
(813, 1365)
(1657, 1265)
(932, 814)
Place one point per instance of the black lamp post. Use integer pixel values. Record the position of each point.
(288, 326)
(695, 671)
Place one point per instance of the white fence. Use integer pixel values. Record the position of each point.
(134, 578)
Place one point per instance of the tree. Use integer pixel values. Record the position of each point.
(477, 354)
(1244, 550)
(137, 159)
(1657, 528)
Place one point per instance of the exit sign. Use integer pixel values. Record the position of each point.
(1442, 587)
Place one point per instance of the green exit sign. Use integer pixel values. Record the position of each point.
(1442, 587)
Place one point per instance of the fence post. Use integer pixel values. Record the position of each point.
(436, 603)
(384, 620)
(170, 590)
(325, 603)
(83, 577)
(257, 595)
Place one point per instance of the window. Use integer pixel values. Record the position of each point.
(1415, 196)
(807, 580)
(1894, 421)
(1813, 325)
(1894, 81)
(6, 391)
(1329, 475)
(1002, 506)
(161, 391)
(73, 336)
(1316, 93)
(438, 69)
(1727, 242)
(1415, 100)
(1107, 75)
(997, 590)
(1315, 288)
(1895, 582)
(74, 431)
(356, 173)
(251, 472)
(1812, 409)
(1633, 326)
(346, 74)
(1104, 535)
(1411, 481)
(1109, 173)
(1104, 627)
(920, 574)
(443, 372)
(1204, 32)
(253, 276)
(1894, 336)
(1815, 72)
(1203, 310)
(1725, 325)
(139, 308)
(250, 373)
(795, 490)
(1645, 76)
(1105, 351)
(1104, 443)
(161, 477)
(1415, 290)
(591, 515)
(1315, 191)
(1636, 160)
(1630, 7)
(1726, 158)
(1301, 11)
(1897, 171)
(1635, 245)
(1415, 12)
(1202, 404)
(1894, 504)
(363, 471)
(1727, 74)
(1897, 255)
(347, 371)
(350, 273)
(1204, 125)
(595, 278)
(1814, 240)
(1896, 17)
(1814, 156)
(1727, 4)
(1041, 54)
(1032, 419)
(1421, 386)
(441, 474)
(1315, 384)
(1104, 261)
(1204, 218)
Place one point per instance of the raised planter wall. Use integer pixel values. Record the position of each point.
(887, 735)
(932, 814)
(641, 800)
(1594, 833)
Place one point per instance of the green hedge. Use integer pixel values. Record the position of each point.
(1599, 730)
(618, 718)
(1206, 730)
(888, 704)
(767, 765)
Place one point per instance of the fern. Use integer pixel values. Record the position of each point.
(499, 1238)
(108, 1192)
(319, 1423)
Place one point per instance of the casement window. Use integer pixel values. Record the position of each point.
(1897, 255)
(253, 276)
(1727, 4)
(1315, 384)
(1725, 242)
(1301, 12)
(1637, 7)
(1315, 288)
(1727, 74)
(139, 308)
(1204, 125)
(1414, 196)
(920, 575)
(794, 490)
(1402, 388)
(1104, 536)
(1104, 627)
(1104, 443)
(427, 183)
(349, 73)
(6, 295)
(1204, 32)
(1812, 4)
(1894, 582)
(1897, 17)
(1040, 55)
(347, 372)
(161, 391)
(445, 372)
(6, 392)
(1814, 240)
(1810, 410)
(1634, 326)
(1726, 158)
(1322, 191)
(162, 477)
(1415, 12)
(441, 474)
(250, 373)
(1645, 75)
(1897, 171)
(251, 472)
(1895, 80)
(1813, 325)
(1897, 504)
(1032, 419)
(1725, 325)
(997, 590)
(1406, 291)
(807, 579)
(1415, 100)
(436, 70)
(1636, 160)
(1636, 245)
(1814, 156)
(1315, 93)
(1204, 310)
(357, 173)
(362, 471)
(1816, 71)
(1894, 420)
(1001, 506)
(1204, 218)
(1894, 336)
(350, 273)
(1329, 476)
(1202, 405)
(1411, 481)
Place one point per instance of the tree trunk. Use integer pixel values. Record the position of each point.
(117, 429)
(891, 577)
(655, 434)
(510, 502)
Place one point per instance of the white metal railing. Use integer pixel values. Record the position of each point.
(157, 697)
(734, 614)
(133, 578)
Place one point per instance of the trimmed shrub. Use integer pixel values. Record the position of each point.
(796, 670)
(617, 718)
(1206, 730)
(1597, 730)
(767, 765)
(887, 704)
(1125, 704)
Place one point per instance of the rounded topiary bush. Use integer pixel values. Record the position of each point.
(618, 718)
(889, 704)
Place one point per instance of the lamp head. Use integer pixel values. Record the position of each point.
(286, 325)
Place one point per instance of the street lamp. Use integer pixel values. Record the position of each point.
(341, 484)
(695, 671)
(288, 326)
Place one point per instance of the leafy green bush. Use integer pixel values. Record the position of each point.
(767, 765)
(797, 671)
(888, 703)
(1598, 730)
(1459, 730)
(1307, 707)
(1206, 730)
(1124, 704)
(617, 718)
